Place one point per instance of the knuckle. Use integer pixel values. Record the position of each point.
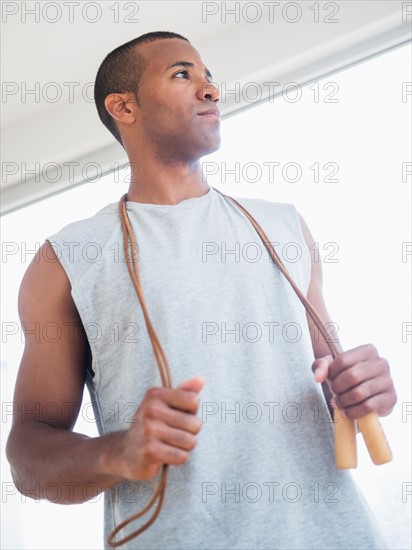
(183, 457)
(197, 425)
(351, 376)
(151, 409)
(150, 450)
(386, 384)
(358, 394)
(179, 457)
(185, 440)
(194, 402)
(384, 365)
(153, 393)
(371, 349)
(341, 362)
(390, 395)
(191, 442)
(368, 407)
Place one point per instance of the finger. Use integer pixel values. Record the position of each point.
(158, 410)
(195, 384)
(382, 401)
(357, 374)
(174, 437)
(320, 367)
(349, 358)
(361, 393)
(179, 399)
(157, 453)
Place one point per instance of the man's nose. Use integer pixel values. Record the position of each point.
(209, 90)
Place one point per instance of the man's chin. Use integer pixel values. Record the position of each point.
(212, 147)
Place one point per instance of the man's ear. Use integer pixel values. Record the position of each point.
(122, 107)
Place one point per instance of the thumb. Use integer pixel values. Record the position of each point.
(194, 384)
(320, 367)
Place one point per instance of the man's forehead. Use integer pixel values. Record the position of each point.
(161, 54)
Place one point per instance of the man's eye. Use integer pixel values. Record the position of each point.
(185, 73)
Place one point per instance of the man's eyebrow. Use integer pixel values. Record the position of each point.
(187, 64)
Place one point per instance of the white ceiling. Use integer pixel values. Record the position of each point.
(36, 131)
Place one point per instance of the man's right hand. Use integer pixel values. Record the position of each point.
(163, 431)
(43, 450)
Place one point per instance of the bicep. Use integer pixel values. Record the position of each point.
(50, 381)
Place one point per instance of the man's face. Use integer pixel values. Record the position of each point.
(173, 92)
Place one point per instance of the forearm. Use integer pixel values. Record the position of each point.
(72, 464)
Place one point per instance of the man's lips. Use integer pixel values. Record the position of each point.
(210, 112)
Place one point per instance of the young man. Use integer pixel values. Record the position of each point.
(245, 428)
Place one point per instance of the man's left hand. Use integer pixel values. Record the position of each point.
(360, 381)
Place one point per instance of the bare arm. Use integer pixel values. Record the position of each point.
(359, 379)
(42, 448)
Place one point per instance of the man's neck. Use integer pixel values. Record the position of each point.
(157, 183)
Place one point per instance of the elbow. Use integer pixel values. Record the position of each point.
(26, 482)
(57, 493)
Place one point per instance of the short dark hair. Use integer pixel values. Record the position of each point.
(120, 72)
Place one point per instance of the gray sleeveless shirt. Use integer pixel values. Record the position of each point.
(262, 475)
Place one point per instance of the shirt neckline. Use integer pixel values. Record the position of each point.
(192, 201)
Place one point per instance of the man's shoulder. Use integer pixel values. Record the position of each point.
(264, 203)
(283, 213)
(280, 219)
(97, 225)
